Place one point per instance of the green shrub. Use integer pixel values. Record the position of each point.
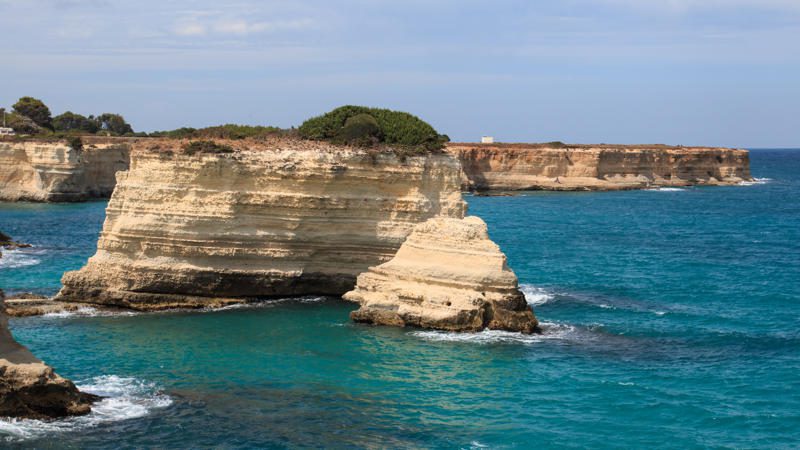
(75, 143)
(395, 128)
(227, 131)
(206, 147)
(361, 130)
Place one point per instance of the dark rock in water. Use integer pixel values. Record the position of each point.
(9, 244)
(31, 389)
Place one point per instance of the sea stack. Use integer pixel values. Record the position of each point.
(245, 219)
(448, 275)
(31, 389)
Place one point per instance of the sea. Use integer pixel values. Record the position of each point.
(671, 319)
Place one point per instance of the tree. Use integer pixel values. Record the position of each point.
(70, 121)
(114, 123)
(35, 110)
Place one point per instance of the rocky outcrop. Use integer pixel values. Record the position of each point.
(269, 218)
(29, 388)
(448, 275)
(600, 167)
(54, 171)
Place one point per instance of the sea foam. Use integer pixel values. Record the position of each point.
(536, 296)
(125, 398)
(13, 259)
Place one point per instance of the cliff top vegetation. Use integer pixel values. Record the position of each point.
(31, 116)
(370, 127)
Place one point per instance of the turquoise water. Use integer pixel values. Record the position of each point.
(671, 320)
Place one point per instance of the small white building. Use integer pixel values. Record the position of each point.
(487, 140)
(6, 131)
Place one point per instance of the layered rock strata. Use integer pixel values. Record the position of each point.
(31, 389)
(274, 218)
(596, 167)
(448, 275)
(53, 171)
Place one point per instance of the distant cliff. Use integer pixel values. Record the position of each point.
(601, 167)
(262, 218)
(53, 171)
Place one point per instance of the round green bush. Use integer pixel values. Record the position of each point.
(394, 128)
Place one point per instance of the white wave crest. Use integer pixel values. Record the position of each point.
(755, 181)
(666, 189)
(125, 399)
(536, 296)
(88, 311)
(20, 257)
(550, 331)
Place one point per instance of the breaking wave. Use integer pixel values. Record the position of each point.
(536, 296)
(125, 399)
(755, 182)
(666, 189)
(13, 259)
(550, 331)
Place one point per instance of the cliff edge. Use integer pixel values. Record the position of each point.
(596, 167)
(55, 171)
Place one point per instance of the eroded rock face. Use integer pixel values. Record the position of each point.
(276, 218)
(448, 275)
(29, 388)
(46, 171)
(601, 167)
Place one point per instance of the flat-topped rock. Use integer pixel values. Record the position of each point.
(448, 275)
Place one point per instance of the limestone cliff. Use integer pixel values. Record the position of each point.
(273, 218)
(448, 275)
(29, 388)
(52, 171)
(597, 167)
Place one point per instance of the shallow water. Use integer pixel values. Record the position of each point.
(670, 320)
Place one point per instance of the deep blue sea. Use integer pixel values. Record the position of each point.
(671, 318)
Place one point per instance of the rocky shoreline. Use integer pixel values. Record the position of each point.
(31, 389)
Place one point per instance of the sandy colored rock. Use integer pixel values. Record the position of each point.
(597, 167)
(448, 275)
(52, 171)
(272, 218)
(29, 388)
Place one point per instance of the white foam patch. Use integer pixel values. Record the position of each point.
(550, 331)
(536, 296)
(755, 181)
(88, 311)
(126, 398)
(20, 257)
(666, 189)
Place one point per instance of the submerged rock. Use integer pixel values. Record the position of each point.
(31, 389)
(448, 275)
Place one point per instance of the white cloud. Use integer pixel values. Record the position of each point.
(190, 29)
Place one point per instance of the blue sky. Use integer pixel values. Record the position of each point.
(691, 72)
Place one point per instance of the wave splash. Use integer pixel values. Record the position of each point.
(536, 296)
(14, 259)
(550, 331)
(756, 181)
(125, 399)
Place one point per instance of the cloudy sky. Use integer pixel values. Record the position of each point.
(710, 72)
